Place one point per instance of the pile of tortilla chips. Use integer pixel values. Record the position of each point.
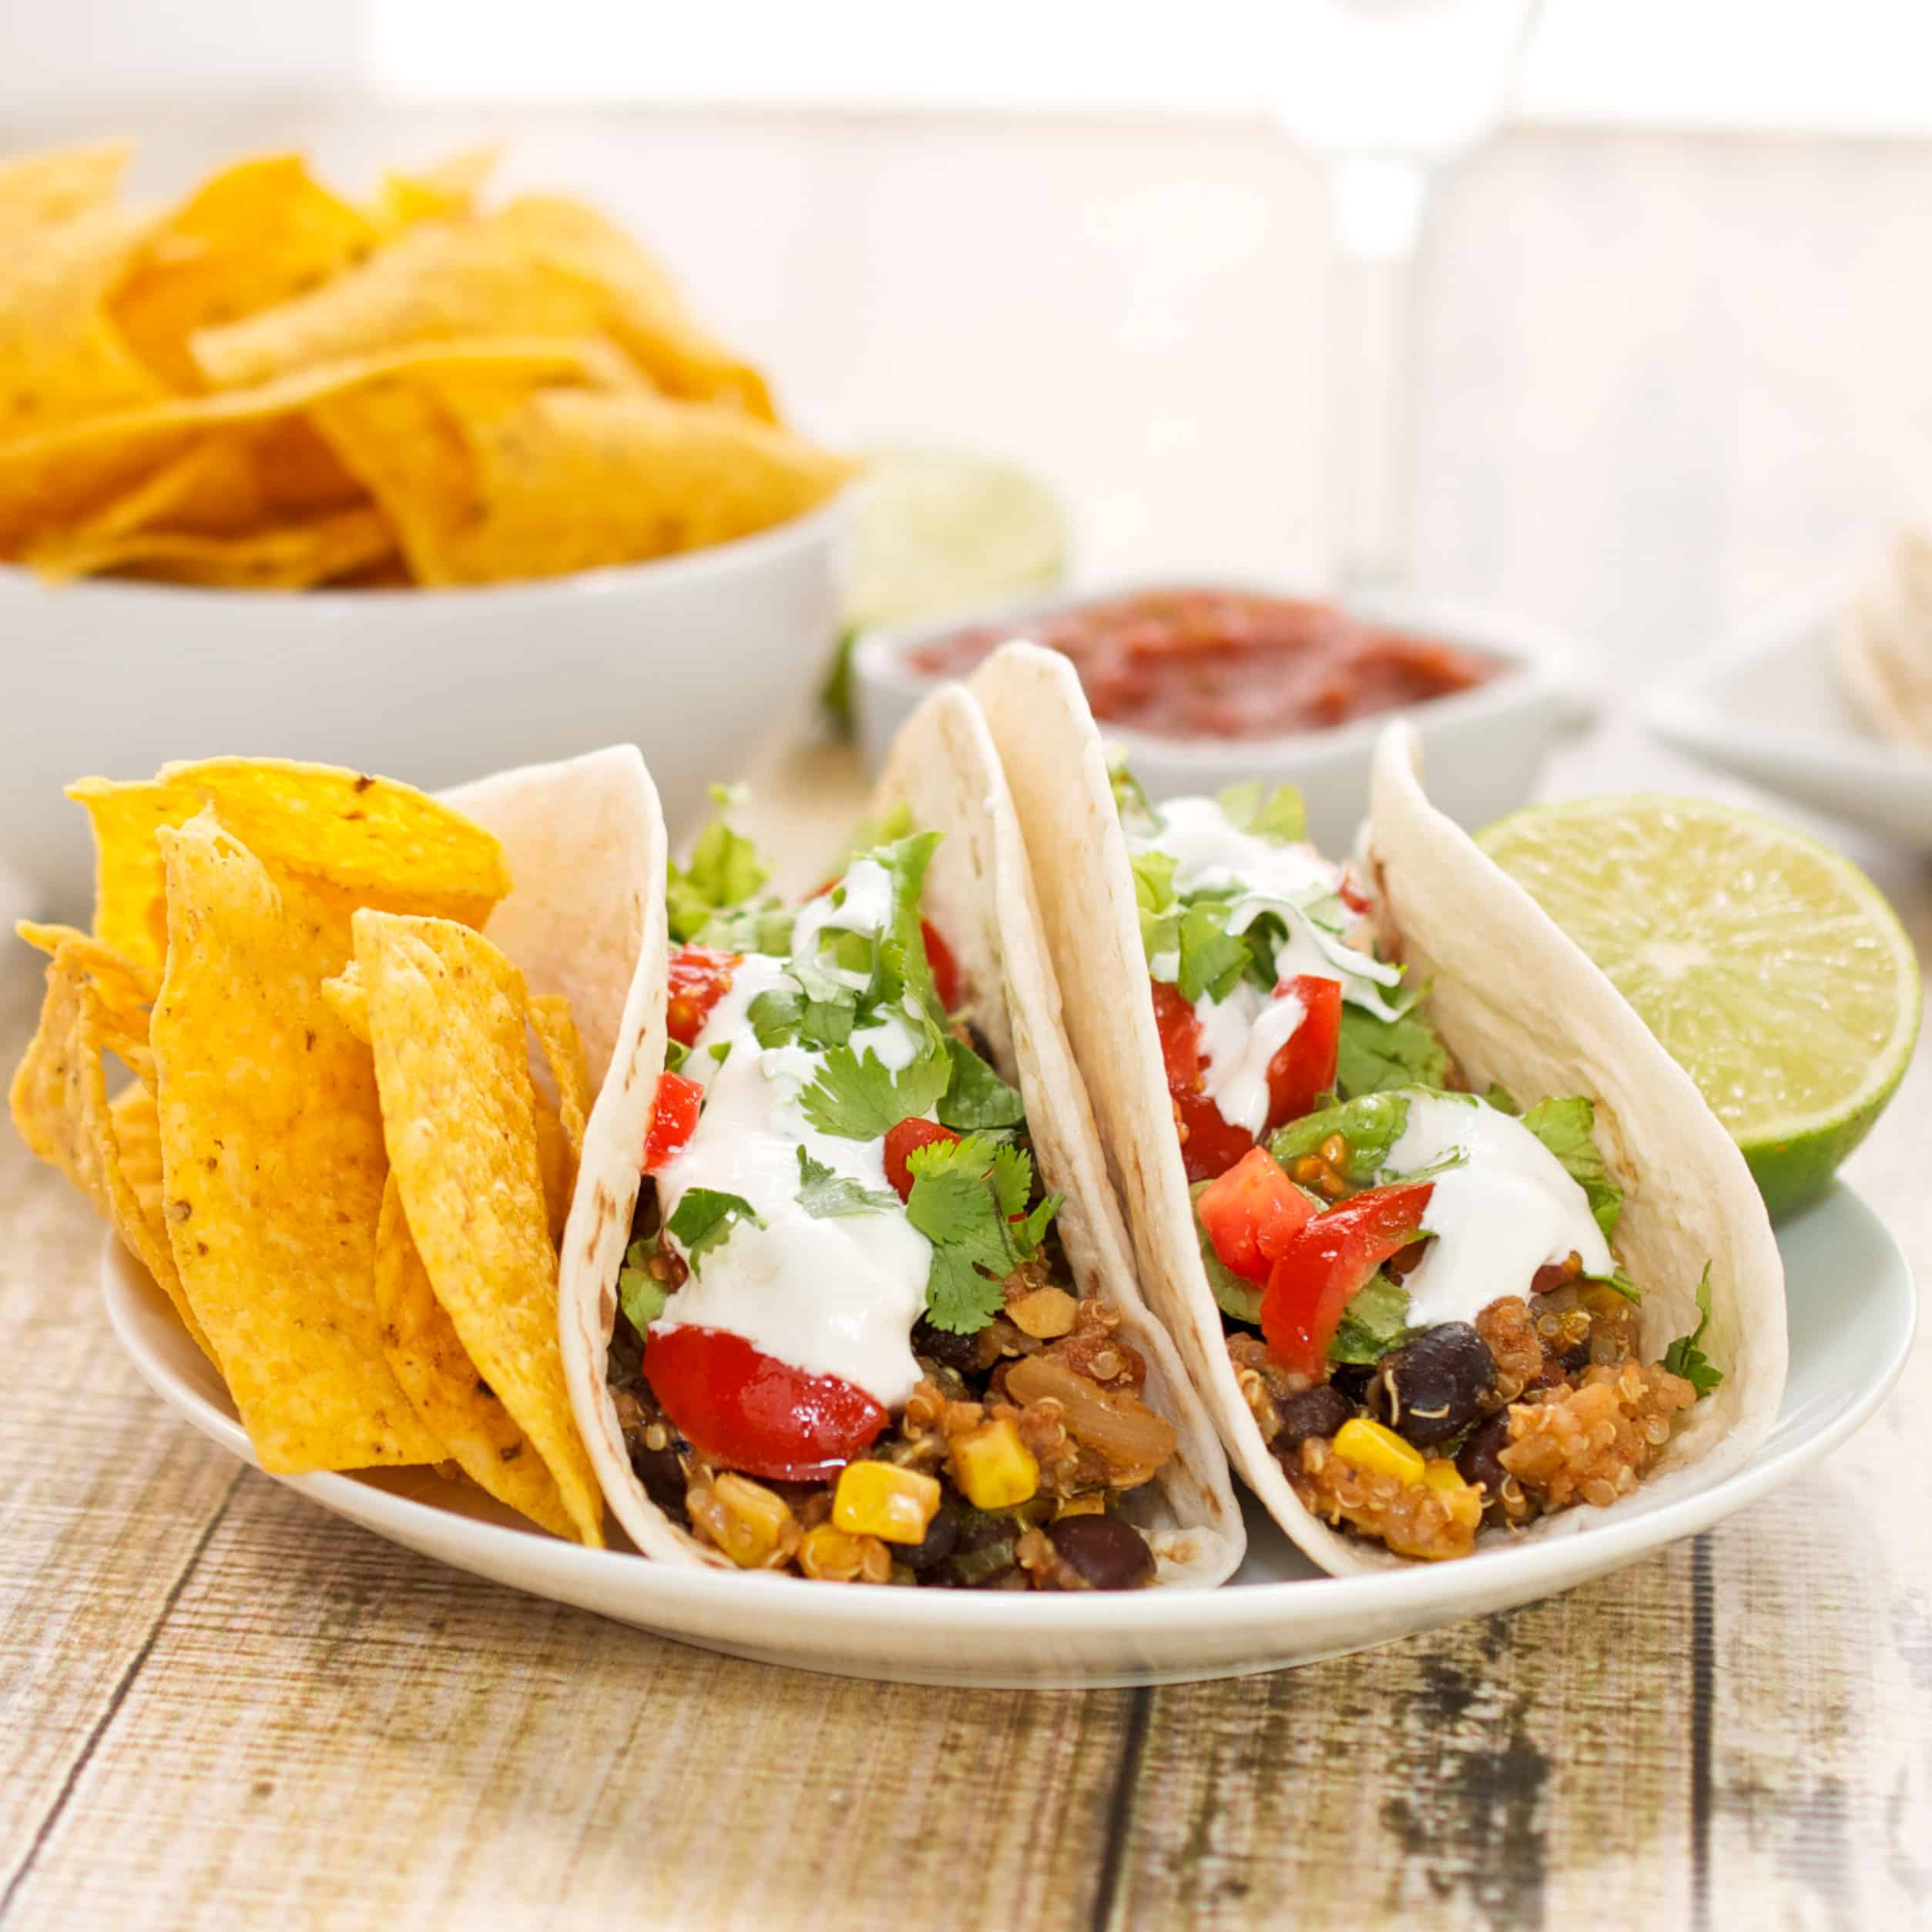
(332, 1154)
(269, 387)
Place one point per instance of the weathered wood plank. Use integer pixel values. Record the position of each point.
(333, 1732)
(102, 1497)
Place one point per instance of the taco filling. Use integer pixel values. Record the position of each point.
(850, 1345)
(1419, 1288)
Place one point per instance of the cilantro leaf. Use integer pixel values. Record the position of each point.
(1212, 961)
(1278, 814)
(862, 1099)
(964, 1194)
(704, 1220)
(825, 1195)
(1684, 1358)
(977, 1097)
(761, 925)
(1564, 1127)
(1154, 897)
(1371, 1124)
(1239, 1299)
(898, 965)
(1376, 1321)
(1374, 1055)
(639, 1292)
(816, 1010)
(724, 871)
(1130, 801)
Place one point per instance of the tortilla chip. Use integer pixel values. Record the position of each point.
(292, 558)
(540, 267)
(445, 192)
(60, 1106)
(452, 1398)
(273, 1161)
(61, 359)
(258, 232)
(49, 481)
(375, 840)
(560, 1129)
(57, 184)
(447, 1019)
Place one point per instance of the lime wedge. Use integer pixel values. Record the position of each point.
(1772, 968)
(939, 530)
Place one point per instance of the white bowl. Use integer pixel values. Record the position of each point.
(1485, 745)
(695, 657)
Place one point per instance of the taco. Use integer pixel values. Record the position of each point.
(1453, 1248)
(848, 1295)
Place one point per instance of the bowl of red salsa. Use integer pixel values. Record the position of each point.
(1201, 683)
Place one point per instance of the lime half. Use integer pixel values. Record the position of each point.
(1772, 968)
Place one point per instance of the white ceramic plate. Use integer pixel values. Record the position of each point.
(1768, 705)
(1851, 1313)
(1485, 746)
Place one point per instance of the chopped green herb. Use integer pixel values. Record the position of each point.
(964, 1194)
(1277, 814)
(816, 1010)
(639, 1291)
(704, 1220)
(1565, 1128)
(861, 1099)
(1684, 1358)
(825, 1195)
(977, 1096)
(1374, 1055)
(1376, 1321)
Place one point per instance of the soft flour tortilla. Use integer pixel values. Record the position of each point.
(1514, 1001)
(944, 767)
(1884, 644)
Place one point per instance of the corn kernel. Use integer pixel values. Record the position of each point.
(1369, 1447)
(751, 1524)
(1465, 1505)
(1046, 1314)
(993, 1469)
(880, 1499)
(829, 1555)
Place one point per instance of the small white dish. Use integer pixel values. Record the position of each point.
(1768, 705)
(696, 657)
(1851, 1309)
(1485, 746)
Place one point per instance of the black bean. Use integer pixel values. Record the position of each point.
(1478, 1460)
(942, 1534)
(1317, 1411)
(958, 1353)
(662, 1476)
(983, 1553)
(1428, 1390)
(1107, 1554)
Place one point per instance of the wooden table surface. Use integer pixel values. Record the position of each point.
(220, 1707)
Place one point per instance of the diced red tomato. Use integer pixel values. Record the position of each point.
(945, 968)
(907, 1138)
(700, 979)
(1351, 894)
(1304, 1068)
(1252, 1213)
(1209, 1145)
(749, 1411)
(674, 1118)
(1325, 1266)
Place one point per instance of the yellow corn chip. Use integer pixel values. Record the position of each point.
(273, 1161)
(447, 1019)
(568, 480)
(259, 232)
(57, 184)
(560, 1130)
(292, 556)
(48, 481)
(453, 1400)
(445, 192)
(376, 842)
(61, 359)
(60, 1106)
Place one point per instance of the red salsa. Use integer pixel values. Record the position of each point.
(1200, 663)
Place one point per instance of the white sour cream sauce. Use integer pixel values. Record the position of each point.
(836, 1296)
(1510, 1207)
(1240, 1034)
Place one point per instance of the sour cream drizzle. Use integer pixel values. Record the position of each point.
(1507, 1208)
(833, 1296)
(1241, 1034)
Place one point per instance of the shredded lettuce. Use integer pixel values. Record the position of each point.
(1565, 1127)
(725, 872)
(1371, 1124)
(1239, 1299)
(1276, 813)
(1374, 1054)
(639, 1292)
(1376, 1321)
